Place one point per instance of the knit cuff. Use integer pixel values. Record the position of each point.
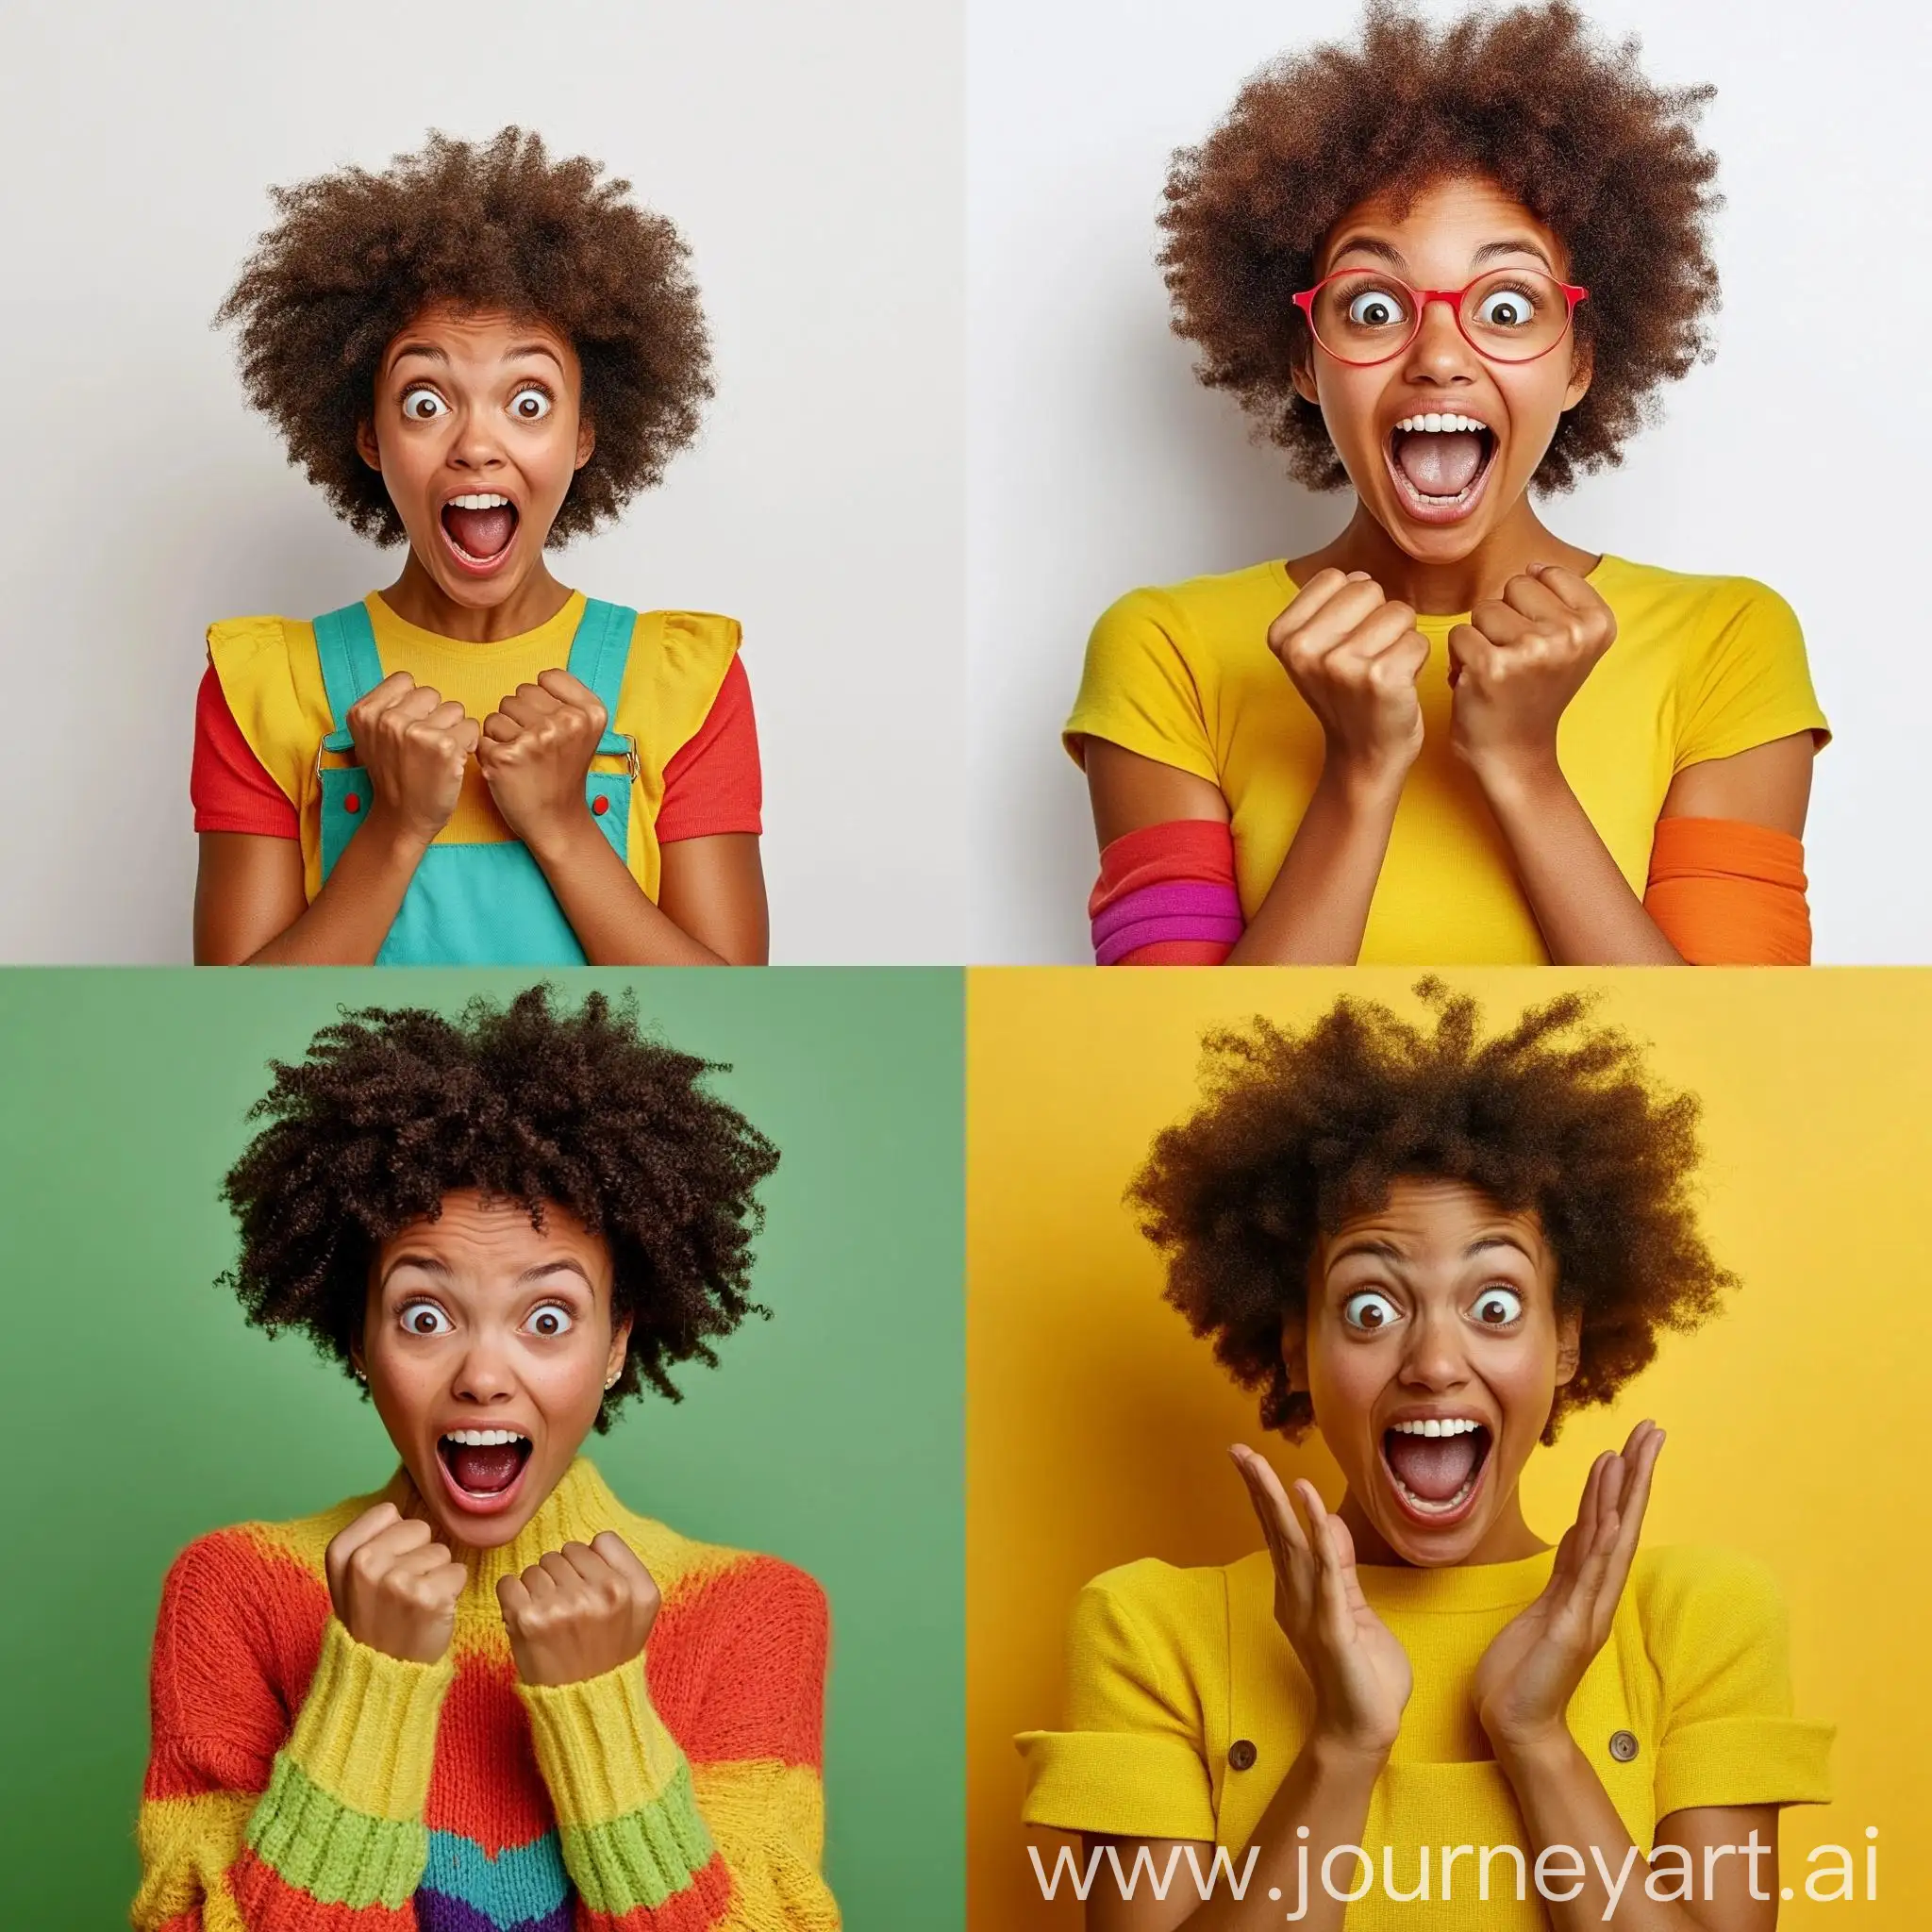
(628, 1816)
(367, 1733)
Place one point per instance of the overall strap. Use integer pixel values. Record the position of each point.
(351, 667)
(598, 653)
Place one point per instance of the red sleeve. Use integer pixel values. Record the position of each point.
(231, 790)
(713, 783)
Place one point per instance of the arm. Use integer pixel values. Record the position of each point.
(1516, 666)
(255, 1821)
(1354, 656)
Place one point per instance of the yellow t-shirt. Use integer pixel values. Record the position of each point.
(1702, 667)
(271, 676)
(1170, 1670)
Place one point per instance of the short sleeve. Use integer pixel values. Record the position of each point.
(229, 787)
(1138, 691)
(713, 783)
(1129, 1764)
(1717, 1631)
(1749, 683)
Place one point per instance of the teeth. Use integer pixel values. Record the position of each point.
(485, 1439)
(1434, 424)
(1431, 1425)
(479, 502)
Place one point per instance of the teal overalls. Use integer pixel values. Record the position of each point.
(474, 905)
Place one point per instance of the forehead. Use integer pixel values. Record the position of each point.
(1429, 1219)
(483, 1237)
(480, 336)
(1445, 220)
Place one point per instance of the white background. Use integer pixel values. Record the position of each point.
(1800, 456)
(812, 158)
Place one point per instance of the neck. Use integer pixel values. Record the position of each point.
(573, 1512)
(1508, 1540)
(417, 598)
(1448, 587)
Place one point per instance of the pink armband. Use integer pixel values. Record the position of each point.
(1166, 896)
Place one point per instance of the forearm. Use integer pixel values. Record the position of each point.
(1584, 906)
(615, 921)
(1317, 910)
(349, 919)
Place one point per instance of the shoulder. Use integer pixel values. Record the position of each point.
(718, 1584)
(1716, 604)
(245, 641)
(244, 1553)
(689, 631)
(1696, 1596)
(1199, 611)
(1157, 1605)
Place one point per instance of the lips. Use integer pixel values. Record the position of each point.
(1440, 474)
(483, 1472)
(479, 528)
(1436, 1477)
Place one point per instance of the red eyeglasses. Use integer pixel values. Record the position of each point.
(1362, 316)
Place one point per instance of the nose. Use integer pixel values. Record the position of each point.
(1434, 1358)
(476, 444)
(1440, 353)
(484, 1374)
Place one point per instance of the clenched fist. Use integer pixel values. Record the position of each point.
(578, 1611)
(395, 1588)
(536, 748)
(1517, 663)
(414, 745)
(1354, 656)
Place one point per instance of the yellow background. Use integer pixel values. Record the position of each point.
(1798, 1421)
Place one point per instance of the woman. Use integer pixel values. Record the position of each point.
(1432, 1248)
(490, 1693)
(1444, 269)
(480, 353)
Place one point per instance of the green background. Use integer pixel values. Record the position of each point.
(149, 1412)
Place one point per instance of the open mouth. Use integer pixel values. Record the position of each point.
(1436, 1465)
(480, 528)
(483, 1465)
(1439, 464)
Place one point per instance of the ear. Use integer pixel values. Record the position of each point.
(1294, 1352)
(587, 439)
(1302, 374)
(1568, 1344)
(620, 1341)
(1582, 367)
(366, 446)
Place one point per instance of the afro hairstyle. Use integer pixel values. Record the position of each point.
(1300, 1130)
(477, 227)
(1569, 129)
(391, 1109)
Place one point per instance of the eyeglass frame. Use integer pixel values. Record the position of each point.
(1304, 301)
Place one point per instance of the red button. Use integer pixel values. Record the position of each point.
(353, 803)
(600, 805)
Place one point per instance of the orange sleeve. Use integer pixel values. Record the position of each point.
(713, 784)
(1727, 893)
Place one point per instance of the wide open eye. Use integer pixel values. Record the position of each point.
(425, 1318)
(424, 405)
(1370, 1311)
(1375, 308)
(530, 406)
(1510, 307)
(1497, 1307)
(551, 1320)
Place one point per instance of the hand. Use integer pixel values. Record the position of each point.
(414, 745)
(1359, 1671)
(1517, 663)
(394, 1586)
(1355, 657)
(535, 749)
(1530, 1672)
(578, 1611)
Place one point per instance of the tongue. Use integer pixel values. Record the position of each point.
(481, 532)
(1432, 1467)
(1443, 464)
(483, 1472)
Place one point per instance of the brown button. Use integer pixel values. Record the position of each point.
(1241, 1754)
(600, 805)
(1623, 1746)
(353, 803)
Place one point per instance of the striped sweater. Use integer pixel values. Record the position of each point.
(300, 1782)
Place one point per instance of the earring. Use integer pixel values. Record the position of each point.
(610, 1381)
(360, 1374)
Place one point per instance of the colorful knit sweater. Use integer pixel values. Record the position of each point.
(302, 1782)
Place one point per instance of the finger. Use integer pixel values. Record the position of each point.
(1577, 592)
(1327, 1553)
(541, 1584)
(414, 706)
(394, 1540)
(500, 729)
(1405, 658)
(1502, 624)
(1469, 649)
(529, 703)
(569, 691)
(1323, 626)
(1264, 1515)
(586, 1564)
(1309, 599)
(398, 683)
(345, 1543)
(1260, 1472)
(561, 1570)
(1536, 599)
(512, 1599)
(419, 1563)
(1382, 629)
(622, 1558)
(466, 735)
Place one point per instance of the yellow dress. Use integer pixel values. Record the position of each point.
(1702, 667)
(1187, 1705)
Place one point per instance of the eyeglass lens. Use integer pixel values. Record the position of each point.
(1511, 315)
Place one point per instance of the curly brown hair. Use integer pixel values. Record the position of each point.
(1302, 1130)
(495, 226)
(391, 1109)
(1526, 98)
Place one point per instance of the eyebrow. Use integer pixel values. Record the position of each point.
(1389, 1251)
(545, 1269)
(1489, 251)
(522, 352)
